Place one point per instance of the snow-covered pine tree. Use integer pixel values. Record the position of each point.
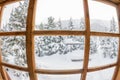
(49, 45)
(93, 45)
(113, 25)
(16, 44)
(109, 44)
(70, 25)
(59, 24)
(114, 42)
(17, 20)
(51, 24)
(82, 24)
(41, 26)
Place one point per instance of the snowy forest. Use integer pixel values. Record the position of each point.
(59, 47)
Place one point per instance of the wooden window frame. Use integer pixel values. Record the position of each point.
(30, 33)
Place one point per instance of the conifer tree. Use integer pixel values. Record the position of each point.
(16, 44)
(60, 24)
(41, 26)
(82, 24)
(112, 25)
(70, 25)
(50, 24)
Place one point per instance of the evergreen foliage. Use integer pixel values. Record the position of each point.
(16, 44)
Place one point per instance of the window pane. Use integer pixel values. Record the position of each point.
(60, 15)
(103, 50)
(14, 50)
(16, 74)
(14, 16)
(101, 75)
(59, 52)
(103, 17)
(59, 77)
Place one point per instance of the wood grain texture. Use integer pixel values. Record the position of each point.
(6, 2)
(17, 33)
(108, 2)
(115, 1)
(118, 75)
(59, 72)
(104, 34)
(87, 40)
(59, 32)
(15, 67)
(3, 73)
(30, 39)
(101, 67)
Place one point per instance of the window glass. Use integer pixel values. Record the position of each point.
(14, 16)
(59, 77)
(60, 15)
(105, 74)
(14, 50)
(103, 17)
(103, 50)
(59, 52)
(16, 74)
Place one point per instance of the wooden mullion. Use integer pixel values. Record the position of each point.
(59, 72)
(15, 67)
(104, 34)
(9, 2)
(15, 33)
(3, 72)
(59, 32)
(1, 13)
(30, 39)
(87, 40)
(107, 2)
(101, 67)
(118, 59)
(71, 71)
(67, 32)
(74, 71)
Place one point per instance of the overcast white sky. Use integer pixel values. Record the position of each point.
(65, 9)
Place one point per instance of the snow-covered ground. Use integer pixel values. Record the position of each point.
(58, 61)
(101, 75)
(59, 77)
(63, 62)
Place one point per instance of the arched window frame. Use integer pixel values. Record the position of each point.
(31, 32)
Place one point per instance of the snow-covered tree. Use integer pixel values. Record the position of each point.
(109, 46)
(13, 47)
(113, 25)
(59, 24)
(17, 20)
(93, 45)
(49, 45)
(82, 24)
(16, 44)
(41, 26)
(70, 25)
(50, 24)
